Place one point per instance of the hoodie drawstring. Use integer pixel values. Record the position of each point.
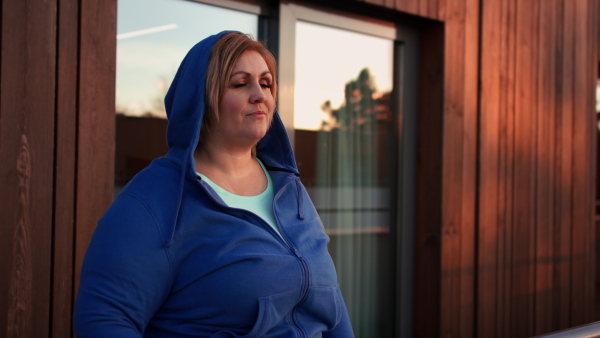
(300, 199)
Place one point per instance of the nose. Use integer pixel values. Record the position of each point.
(258, 95)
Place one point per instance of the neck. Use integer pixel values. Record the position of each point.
(230, 161)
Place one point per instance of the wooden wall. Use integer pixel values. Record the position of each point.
(56, 145)
(536, 232)
(517, 251)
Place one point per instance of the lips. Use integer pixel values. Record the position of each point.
(257, 114)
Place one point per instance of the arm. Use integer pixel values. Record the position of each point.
(125, 276)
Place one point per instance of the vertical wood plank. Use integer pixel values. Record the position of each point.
(408, 6)
(441, 10)
(545, 169)
(470, 171)
(506, 170)
(459, 173)
(96, 123)
(429, 8)
(564, 171)
(424, 7)
(488, 236)
(595, 67)
(523, 247)
(26, 136)
(583, 230)
(65, 154)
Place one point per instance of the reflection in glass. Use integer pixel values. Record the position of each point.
(344, 147)
(153, 37)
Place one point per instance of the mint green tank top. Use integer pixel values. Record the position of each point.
(261, 205)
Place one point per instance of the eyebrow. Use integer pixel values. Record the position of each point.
(248, 74)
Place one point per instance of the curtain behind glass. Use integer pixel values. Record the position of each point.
(346, 162)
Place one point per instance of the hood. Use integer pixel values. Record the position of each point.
(184, 104)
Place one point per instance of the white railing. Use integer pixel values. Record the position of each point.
(584, 331)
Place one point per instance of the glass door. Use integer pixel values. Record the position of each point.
(347, 99)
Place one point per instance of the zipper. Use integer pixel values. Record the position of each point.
(283, 239)
(302, 296)
(259, 219)
(305, 270)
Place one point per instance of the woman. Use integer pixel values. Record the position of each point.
(219, 237)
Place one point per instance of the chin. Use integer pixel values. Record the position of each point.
(259, 132)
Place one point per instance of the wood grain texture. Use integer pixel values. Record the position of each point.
(26, 147)
(490, 233)
(523, 240)
(583, 229)
(65, 173)
(19, 314)
(530, 178)
(96, 123)
(545, 168)
(564, 132)
(459, 169)
(470, 171)
(506, 144)
(408, 6)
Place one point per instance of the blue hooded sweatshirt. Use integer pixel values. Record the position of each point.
(170, 259)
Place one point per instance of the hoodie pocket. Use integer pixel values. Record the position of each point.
(322, 309)
(271, 311)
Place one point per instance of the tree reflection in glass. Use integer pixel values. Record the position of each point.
(346, 162)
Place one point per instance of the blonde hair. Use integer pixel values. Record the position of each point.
(223, 57)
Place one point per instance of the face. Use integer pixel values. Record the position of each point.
(247, 105)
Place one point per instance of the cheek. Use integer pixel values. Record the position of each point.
(228, 105)
(271, 106)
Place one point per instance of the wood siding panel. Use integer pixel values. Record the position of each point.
(427, 8)
(96, 123)
(470, 170)
(39, 113)
(408, 6)
(545, 171)
(432, 9)
(65, 173)
(506, 151)
(536, 129)
(26, 170)
(459, 168)
(490, 235)
(523, 199)
(564, 137)
(583, 122)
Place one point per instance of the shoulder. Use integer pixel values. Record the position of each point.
(163, 173)
(148, 201)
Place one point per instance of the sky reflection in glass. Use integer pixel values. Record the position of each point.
(327, 58)
(153, 37)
